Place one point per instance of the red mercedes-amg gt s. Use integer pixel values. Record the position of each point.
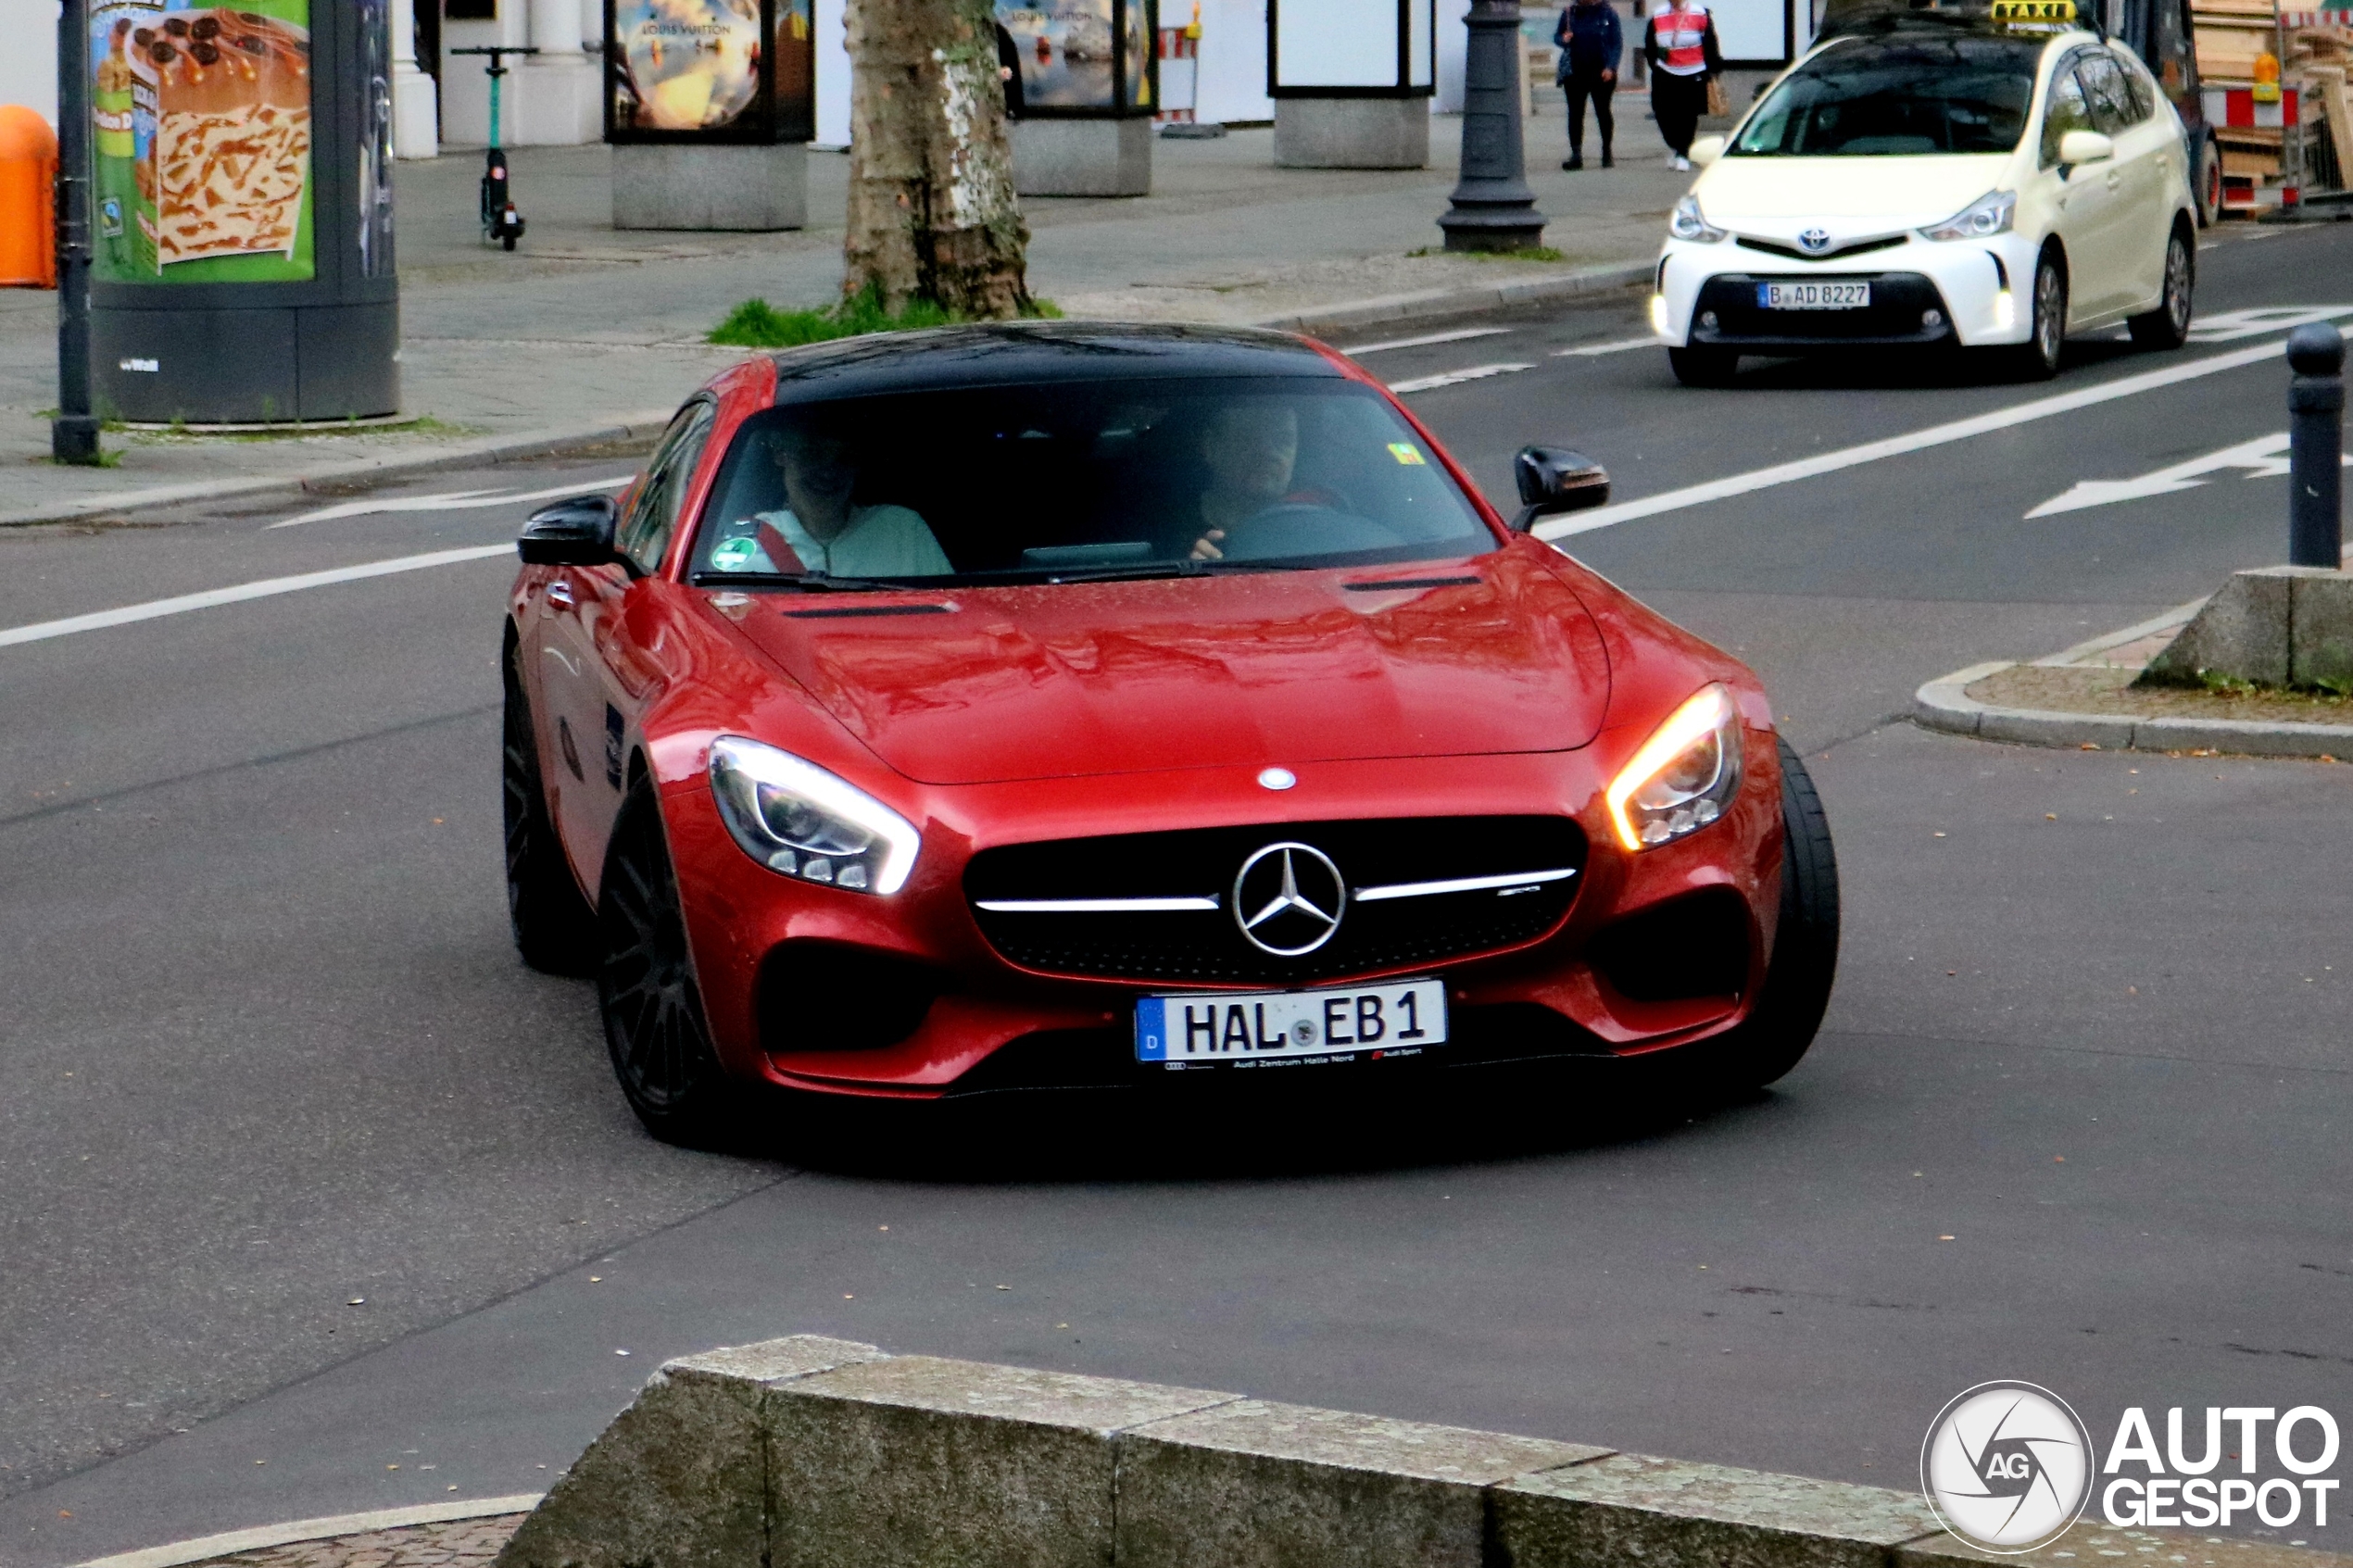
(1073, 704)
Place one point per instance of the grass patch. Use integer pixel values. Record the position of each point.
(1533, 252)
(758, 324)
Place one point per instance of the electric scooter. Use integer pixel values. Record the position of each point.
(501, 224)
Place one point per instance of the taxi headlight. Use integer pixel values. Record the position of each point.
(1690, 223)
(794, 817)
(1683, 777)
(1982, 219)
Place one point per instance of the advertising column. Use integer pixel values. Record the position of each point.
(1081, 97)
(1352, 83)
(710, 107)
(241, 211)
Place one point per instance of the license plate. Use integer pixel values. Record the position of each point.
(1259, 1029)
(1813, 296)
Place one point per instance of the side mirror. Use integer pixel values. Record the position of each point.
(1555, 480)
(2085, 146)
(577, 531)
(1706, 150)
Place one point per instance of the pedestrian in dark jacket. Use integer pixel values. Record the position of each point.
(1681, 45)
(1591, 44)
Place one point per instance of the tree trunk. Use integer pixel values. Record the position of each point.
(932, 210)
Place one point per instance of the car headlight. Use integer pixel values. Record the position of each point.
(794, 817)
(1982, 219)
(1690, 223)
(1684, 776)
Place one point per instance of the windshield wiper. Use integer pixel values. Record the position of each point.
(818, 581)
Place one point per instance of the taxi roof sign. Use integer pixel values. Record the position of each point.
(1842, 16)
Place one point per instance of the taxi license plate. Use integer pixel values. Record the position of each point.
(1258, 1029)
(1813, 296)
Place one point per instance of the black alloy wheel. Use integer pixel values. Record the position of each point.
(1797, 988)
(554, 928)
(2168, 326)
(1704, 367)
(2038, 358)
(646, 991)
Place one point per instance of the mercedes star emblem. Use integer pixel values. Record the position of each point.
(1288, 899)
(1815, 239)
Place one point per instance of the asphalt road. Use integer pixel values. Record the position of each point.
(306, 1178)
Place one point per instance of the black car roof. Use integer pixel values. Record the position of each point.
(1000, 354)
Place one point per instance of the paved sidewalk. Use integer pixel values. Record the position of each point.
(587, 326)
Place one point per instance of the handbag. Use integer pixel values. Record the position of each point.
(1717, 103)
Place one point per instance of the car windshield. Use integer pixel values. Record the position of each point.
(1873, 97)
(1073, 479)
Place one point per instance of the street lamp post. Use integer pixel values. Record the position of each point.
(73, 434)
(1493, 208)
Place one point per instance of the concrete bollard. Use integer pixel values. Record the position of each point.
(2316, 446)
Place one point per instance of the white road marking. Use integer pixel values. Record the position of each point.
(2263, 458)
(1897, 446)
(1456, 378)
(1460, 336)
(2231, 325)
(452, 500)
(1592, 349)
(40, 631)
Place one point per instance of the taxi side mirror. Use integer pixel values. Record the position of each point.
(575, 532)
(1555, 480)
(2085, 146)
(1706, 150)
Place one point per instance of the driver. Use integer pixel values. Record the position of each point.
(818, 529)
(1250, 449)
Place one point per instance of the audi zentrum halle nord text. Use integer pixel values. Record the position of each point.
(1076, 705)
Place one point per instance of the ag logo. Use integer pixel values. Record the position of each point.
(2006, 1466)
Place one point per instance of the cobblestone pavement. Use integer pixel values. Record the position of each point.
(461, 1543)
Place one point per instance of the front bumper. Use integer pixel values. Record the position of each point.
(816, 988)
(1977, 288)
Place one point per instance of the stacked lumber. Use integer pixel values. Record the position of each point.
(2230, 34)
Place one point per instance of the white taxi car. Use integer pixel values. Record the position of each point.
(1934, 180)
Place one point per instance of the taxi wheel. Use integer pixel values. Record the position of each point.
(2038, 358)
(1704, 367)
(2168, 326)
(554, 928)
(1797, 981)
(652, 1009)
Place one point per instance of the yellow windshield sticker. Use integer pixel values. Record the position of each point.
(1407, 453)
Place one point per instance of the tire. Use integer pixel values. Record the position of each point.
(2206, 183)
(508, 241)
(554, 928)
(2038, 358)
(652, 1009)
(1704, 367)
(2168, 326)
(1797, 980)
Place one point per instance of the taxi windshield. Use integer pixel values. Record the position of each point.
(1894, 98)
(1075, 479)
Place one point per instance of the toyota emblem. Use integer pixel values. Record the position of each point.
(1814, 240)
(1288, 899)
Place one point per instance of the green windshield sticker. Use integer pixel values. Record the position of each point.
(1407, 453)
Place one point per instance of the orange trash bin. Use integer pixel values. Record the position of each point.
(28, 197)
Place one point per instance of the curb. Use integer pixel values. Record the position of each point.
(1429, 307)
(1944, 704)
(205, 1547)
(1434, 306)
(360, 473)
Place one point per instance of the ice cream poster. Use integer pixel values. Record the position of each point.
(201, 131)
(686, 65)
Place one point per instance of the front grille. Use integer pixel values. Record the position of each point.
(1893, 316)
(1860, 247)
(1206, 945)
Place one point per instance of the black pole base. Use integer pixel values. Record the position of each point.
(1492, 231)
(73, 438)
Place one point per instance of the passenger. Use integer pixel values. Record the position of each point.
(819, 531)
